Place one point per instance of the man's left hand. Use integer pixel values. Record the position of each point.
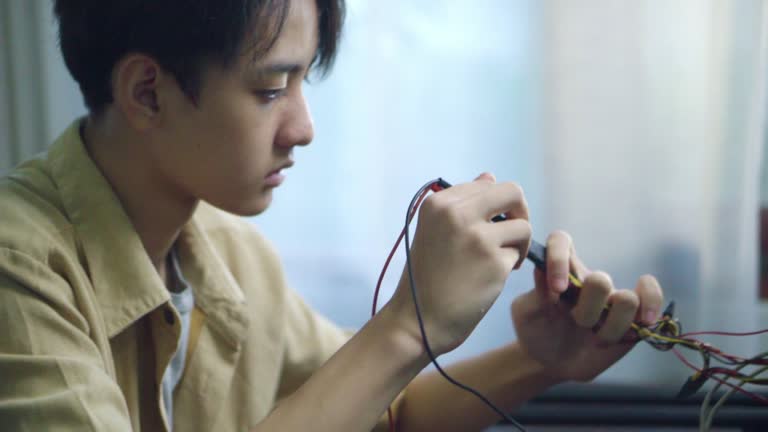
(578, 342)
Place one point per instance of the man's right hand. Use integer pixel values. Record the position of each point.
(460, 259)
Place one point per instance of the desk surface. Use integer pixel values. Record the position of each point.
(605, 407)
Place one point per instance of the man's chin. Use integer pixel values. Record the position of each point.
(247, 207)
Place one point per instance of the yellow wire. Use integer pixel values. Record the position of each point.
(575, 281)
(644, 332)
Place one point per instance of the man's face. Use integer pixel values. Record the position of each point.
(229, 149)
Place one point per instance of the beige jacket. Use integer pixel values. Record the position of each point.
(87, 329)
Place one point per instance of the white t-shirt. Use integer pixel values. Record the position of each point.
(183, 301)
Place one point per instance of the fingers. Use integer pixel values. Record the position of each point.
(559, 252)
(464, 190)
(624, 305)
(577, 265)
(592, 299)
(643, 304)
(651, 299)
(539, 279)
(483, 198)
(502, 198)
(514, 237)
(474, 204)
(541, 287)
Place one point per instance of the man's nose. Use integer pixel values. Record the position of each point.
(297, 128)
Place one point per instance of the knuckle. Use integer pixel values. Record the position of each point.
(476, 243)
(579, 318)
(432, 204)
(562, 235)
(453, 215)
(587, 315)
(443, 209)
(486, 185)
(609, 336)
(583, 319)
(627, 300)
(516, 194)
(525, 230)
(600, 282)
(516, 188)
(557, 258)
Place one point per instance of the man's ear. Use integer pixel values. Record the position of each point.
(136, 81)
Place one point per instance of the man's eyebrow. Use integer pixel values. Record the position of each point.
(277, 68)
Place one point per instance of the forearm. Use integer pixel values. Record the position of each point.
(352, 390)
(507, 376)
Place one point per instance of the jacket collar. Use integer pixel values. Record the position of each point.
(125, 282)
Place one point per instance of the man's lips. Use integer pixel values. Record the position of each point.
(282, 167)
(275, 178)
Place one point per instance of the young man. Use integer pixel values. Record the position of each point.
(132, 299)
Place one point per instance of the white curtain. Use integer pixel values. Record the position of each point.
(38, 98)
(421, 90)
(655, 127)
(636, 126)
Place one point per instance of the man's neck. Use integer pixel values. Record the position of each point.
(157, 210)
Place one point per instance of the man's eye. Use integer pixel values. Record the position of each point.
(270, 95)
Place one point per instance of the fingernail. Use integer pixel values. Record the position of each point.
(650, 316)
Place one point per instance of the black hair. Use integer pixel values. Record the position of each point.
(183, 36)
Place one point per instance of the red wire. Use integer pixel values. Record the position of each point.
(384, 271)
(391, 254)
(725, 371)
(715, 350)
(709, 374)
(739, 389)
(722, 333)
(390, 417)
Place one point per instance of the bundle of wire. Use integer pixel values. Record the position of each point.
(664, 335)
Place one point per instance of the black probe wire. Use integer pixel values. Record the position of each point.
(540, 264)
(432, 358)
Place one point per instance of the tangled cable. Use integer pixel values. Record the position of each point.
(666, 334)
(663, 335)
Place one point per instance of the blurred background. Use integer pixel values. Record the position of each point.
(637, 126)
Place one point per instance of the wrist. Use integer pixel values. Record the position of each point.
(538, 374)
(403, 335)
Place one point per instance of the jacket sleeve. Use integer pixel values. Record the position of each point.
(311, 340)
(52, 374)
